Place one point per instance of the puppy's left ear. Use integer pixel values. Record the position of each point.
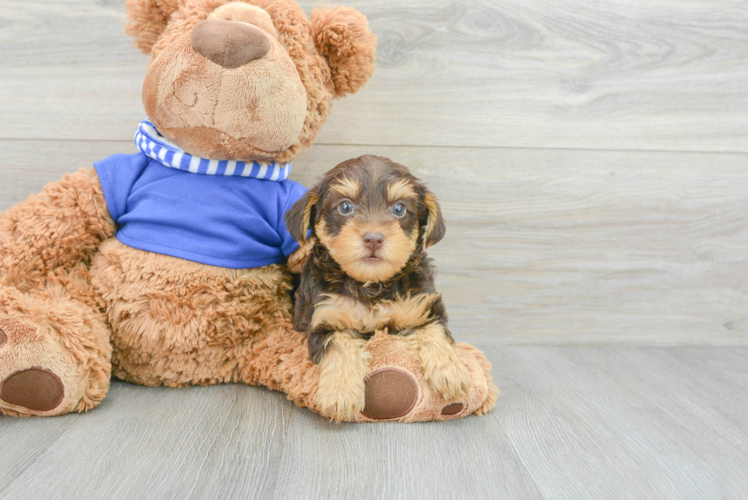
(342, 36)
(432, 221)
(299, 217)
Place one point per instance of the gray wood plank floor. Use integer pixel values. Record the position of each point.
(573, 422)
(592, 163)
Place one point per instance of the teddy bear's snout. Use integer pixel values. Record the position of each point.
(229, 44)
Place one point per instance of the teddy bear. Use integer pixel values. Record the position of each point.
(172, 266)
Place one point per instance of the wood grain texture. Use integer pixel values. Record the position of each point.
(547, 246)
(627, 422)
(613, 74)
(572, 422)
(206, 442)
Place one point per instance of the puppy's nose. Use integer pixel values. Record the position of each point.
(373, 241)
(229, 44)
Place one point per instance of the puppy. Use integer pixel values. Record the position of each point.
(371, 221)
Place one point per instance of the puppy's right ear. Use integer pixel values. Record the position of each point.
(148, 19)
(434, 226)
(299, 217)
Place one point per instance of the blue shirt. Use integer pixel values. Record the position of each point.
(233, 222)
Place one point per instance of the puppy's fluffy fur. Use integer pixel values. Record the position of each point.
(368, 271)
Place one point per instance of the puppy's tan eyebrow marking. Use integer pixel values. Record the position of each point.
(347, 187)
(400, 190)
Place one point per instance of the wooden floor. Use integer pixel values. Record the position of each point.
(573, 422)
(592, 163)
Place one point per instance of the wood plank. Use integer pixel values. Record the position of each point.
(202, 442)
(23, 441)
(615, 74)
(572, 422)
(467, 458)
(627, 422)
(548, 246)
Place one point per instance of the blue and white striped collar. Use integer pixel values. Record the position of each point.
(156, 146)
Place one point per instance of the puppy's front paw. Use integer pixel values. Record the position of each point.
(340, 399)
(446, 374)
(442, 368)
(341, 394)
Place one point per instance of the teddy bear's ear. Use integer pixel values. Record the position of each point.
(147, 20)
(342, 36)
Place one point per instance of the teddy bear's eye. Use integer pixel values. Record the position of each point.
(398, 210)
(345, 208)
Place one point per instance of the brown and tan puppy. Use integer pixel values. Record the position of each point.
(369, 272)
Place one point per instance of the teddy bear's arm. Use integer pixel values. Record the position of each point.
(60, 227)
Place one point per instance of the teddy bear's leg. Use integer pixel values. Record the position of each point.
(54, 347)
(395, 389)
(280, 361)
(176, 323)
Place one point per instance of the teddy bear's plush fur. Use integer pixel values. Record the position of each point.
(77, 306)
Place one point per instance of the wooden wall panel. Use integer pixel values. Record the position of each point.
(605, 75)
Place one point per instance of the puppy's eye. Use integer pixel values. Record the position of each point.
(345, 208)
(398, 210)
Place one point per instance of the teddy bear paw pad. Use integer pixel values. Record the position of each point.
(390, 393)
(35, 388)
(37, 374)
(452, 409)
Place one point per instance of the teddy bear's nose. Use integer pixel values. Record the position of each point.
(229, 44)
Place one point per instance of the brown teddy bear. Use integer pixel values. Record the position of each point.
(170, 267)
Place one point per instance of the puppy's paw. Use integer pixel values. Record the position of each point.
(341, 394)
(446, 373)
(340, 399)
(442, 368)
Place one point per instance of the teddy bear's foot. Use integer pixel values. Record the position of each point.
(397, 389)
(37, 376)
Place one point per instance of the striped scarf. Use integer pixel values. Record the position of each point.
(156, 146)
